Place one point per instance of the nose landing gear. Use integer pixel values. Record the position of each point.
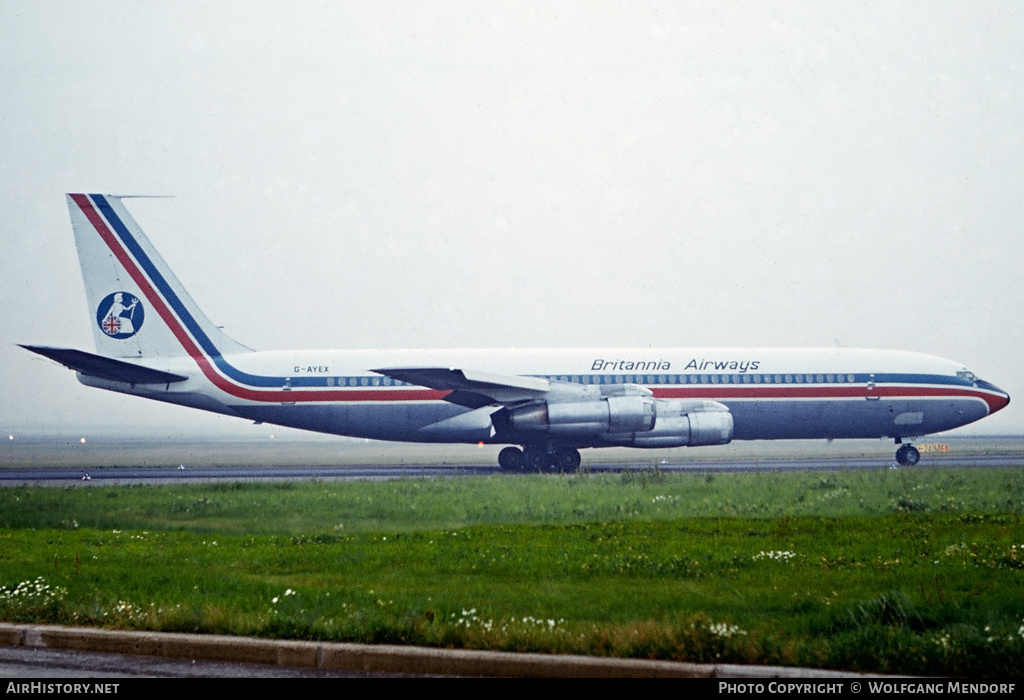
(908, 455)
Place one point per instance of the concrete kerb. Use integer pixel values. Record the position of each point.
(381, 658)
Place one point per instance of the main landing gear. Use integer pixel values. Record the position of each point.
(536, 458)
(908, 455)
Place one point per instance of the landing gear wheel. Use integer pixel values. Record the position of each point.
(566, 460)
(908, 455)
(535, 460)
(510, 459)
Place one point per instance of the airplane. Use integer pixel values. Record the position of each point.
(153, 341)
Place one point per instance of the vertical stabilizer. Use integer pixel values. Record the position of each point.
(137, 307)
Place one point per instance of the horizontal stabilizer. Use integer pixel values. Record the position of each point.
(105, 367)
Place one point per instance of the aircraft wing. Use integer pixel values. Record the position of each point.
(105, 367)
(472, 388)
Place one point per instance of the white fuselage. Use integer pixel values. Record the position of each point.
(772, 393)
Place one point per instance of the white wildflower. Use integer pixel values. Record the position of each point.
(776, 555)
(725, 630)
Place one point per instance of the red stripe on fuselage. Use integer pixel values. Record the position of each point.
(207, 368)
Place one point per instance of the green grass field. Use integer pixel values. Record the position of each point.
(905, 571)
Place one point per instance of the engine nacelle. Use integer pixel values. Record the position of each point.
(614, 414)
(681, 424)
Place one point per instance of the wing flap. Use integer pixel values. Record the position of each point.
(499, 388)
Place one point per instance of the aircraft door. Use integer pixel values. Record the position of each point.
(870, 390)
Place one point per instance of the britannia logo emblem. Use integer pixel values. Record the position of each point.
(120, 315)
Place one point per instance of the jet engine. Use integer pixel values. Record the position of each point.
(631, 420)
(682, 423)
(613, 414)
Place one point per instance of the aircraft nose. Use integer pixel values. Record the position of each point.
(997, 398)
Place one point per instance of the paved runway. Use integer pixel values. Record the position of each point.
(162, 475)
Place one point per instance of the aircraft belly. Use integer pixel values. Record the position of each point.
(858, 418)
(949, 414)
(379, 421)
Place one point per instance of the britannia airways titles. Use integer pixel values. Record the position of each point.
(701, 365)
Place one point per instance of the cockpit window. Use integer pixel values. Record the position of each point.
(967, 376)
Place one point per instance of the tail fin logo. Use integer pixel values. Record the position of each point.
(120, 315)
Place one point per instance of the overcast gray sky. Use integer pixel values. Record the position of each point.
(488, 174)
